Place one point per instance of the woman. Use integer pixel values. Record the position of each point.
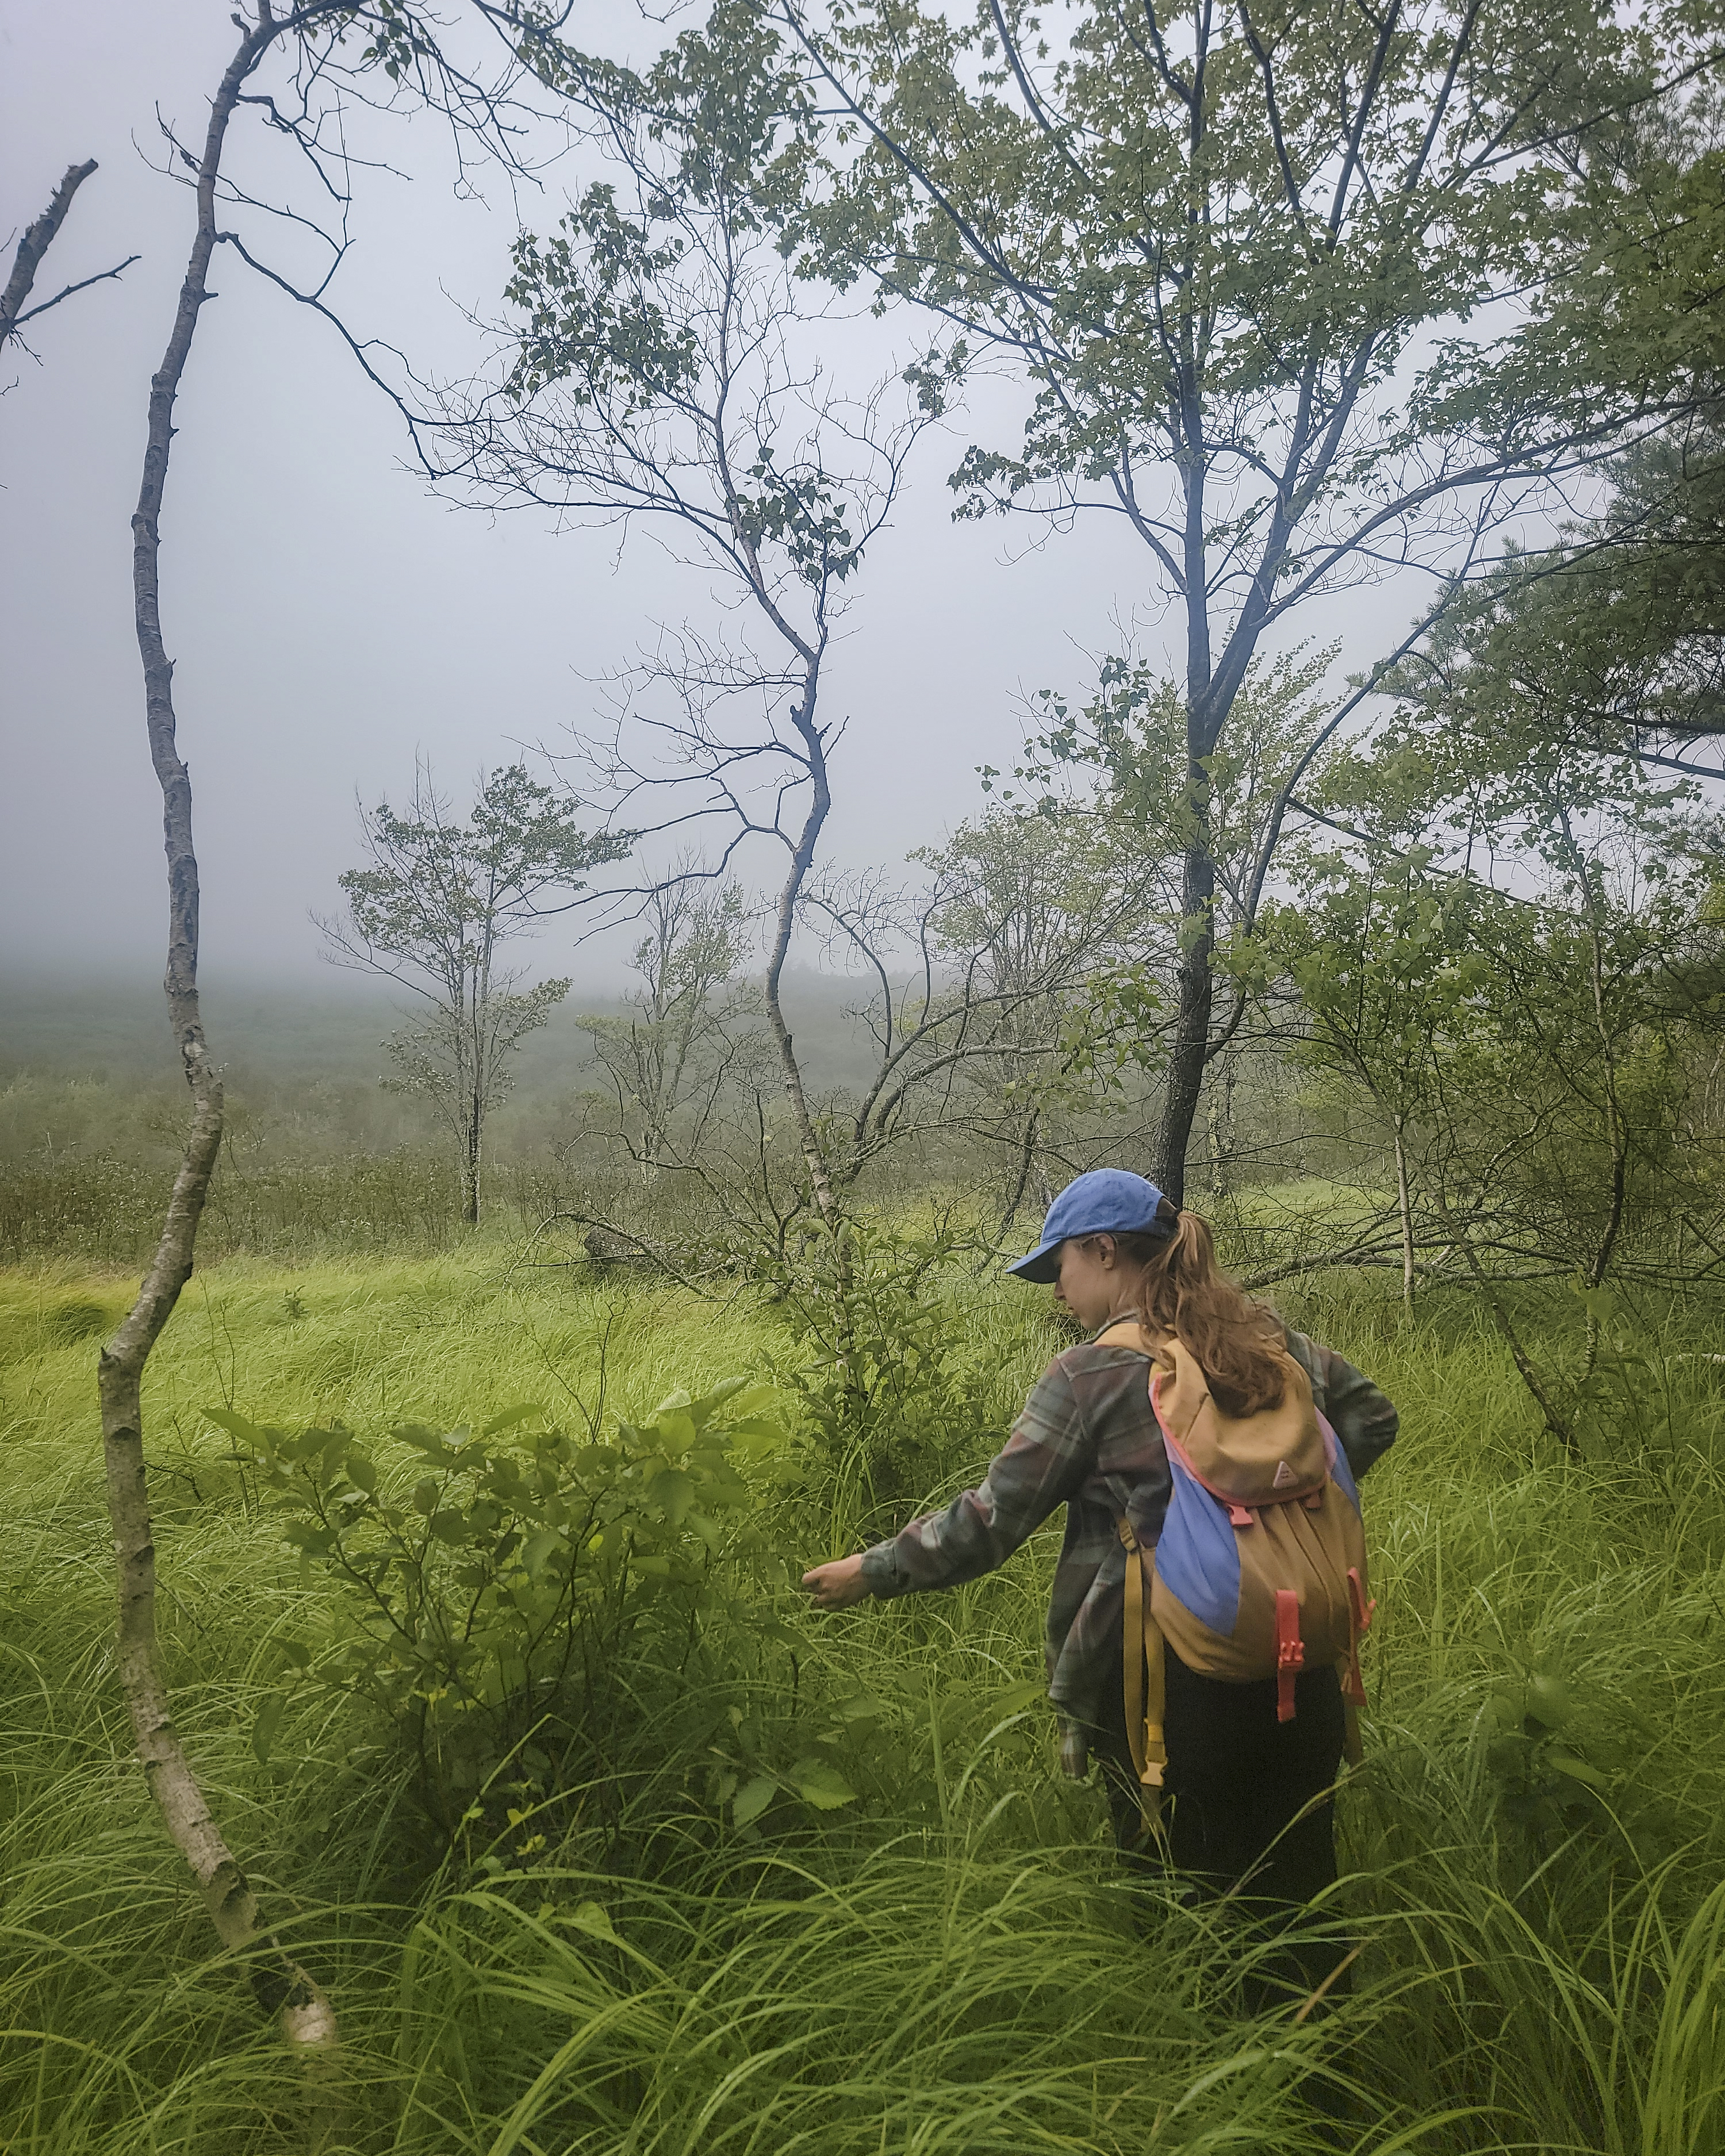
(1247, 1794)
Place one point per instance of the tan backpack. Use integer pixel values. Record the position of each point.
(1259, 1569)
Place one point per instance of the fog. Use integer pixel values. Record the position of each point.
(331, 620)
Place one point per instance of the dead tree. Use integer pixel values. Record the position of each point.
(663, 365)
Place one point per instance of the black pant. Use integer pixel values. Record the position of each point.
(1246, 1808)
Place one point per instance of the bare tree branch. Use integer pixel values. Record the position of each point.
(38, 239)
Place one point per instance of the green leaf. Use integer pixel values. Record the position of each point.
(673, 1492)
(1014, 1698)
(675, 1429)
(540, 1548)
(265, 1724)
(728, 1388)
(752, 1799)
(510, 1417)
(755, 1435)
(423, 1440)
(593, 1920)
(305, 1535)
(821, 1785)
(1576, 1770)
(236, 1425)
(1548, 1701)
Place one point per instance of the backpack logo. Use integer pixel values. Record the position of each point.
(1283, 1475)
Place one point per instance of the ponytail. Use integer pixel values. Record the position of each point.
(1237, 1342)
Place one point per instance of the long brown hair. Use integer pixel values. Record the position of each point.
(1238, 1343)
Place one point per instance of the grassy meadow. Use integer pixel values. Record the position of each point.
(945, 1959)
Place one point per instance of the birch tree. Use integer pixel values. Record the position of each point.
(323, 51)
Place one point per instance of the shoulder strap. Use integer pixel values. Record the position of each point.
(1144, 1672)
(1304, 1351)
(1126, 1332)
(1146, 1702)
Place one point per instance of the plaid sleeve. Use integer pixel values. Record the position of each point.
(1363, 1417)
(1040, 1466)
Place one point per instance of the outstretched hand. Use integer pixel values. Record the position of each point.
(837, 1585)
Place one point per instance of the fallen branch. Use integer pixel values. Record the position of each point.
(648, 1254)
(1358, 1255)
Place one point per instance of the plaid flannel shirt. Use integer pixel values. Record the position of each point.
(1088, 1440)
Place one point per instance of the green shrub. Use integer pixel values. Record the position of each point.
(887, 1391)
(487, 1609)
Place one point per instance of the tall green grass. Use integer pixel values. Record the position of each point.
(950, 1962)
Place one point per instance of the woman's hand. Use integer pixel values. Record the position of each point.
(837, 1585)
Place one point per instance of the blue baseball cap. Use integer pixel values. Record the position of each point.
(1108, 1201)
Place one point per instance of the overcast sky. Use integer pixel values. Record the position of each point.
(330, 620)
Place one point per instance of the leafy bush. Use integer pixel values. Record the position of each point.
(489, 1606)
(882, 1384)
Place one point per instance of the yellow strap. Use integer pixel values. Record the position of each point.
(1143, 1649)
(1353, 1748)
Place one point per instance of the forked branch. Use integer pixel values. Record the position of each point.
(38, 237)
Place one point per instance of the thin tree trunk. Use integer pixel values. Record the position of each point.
(1218, 1125)
(307, 2018)
(470, 1163)
(1405, 1209)
(1191, 1022)
(1611, 1113)
(802, 861)
(820, 1184)
(1198, 874)
(1027, 1161)
(1530, 1377)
